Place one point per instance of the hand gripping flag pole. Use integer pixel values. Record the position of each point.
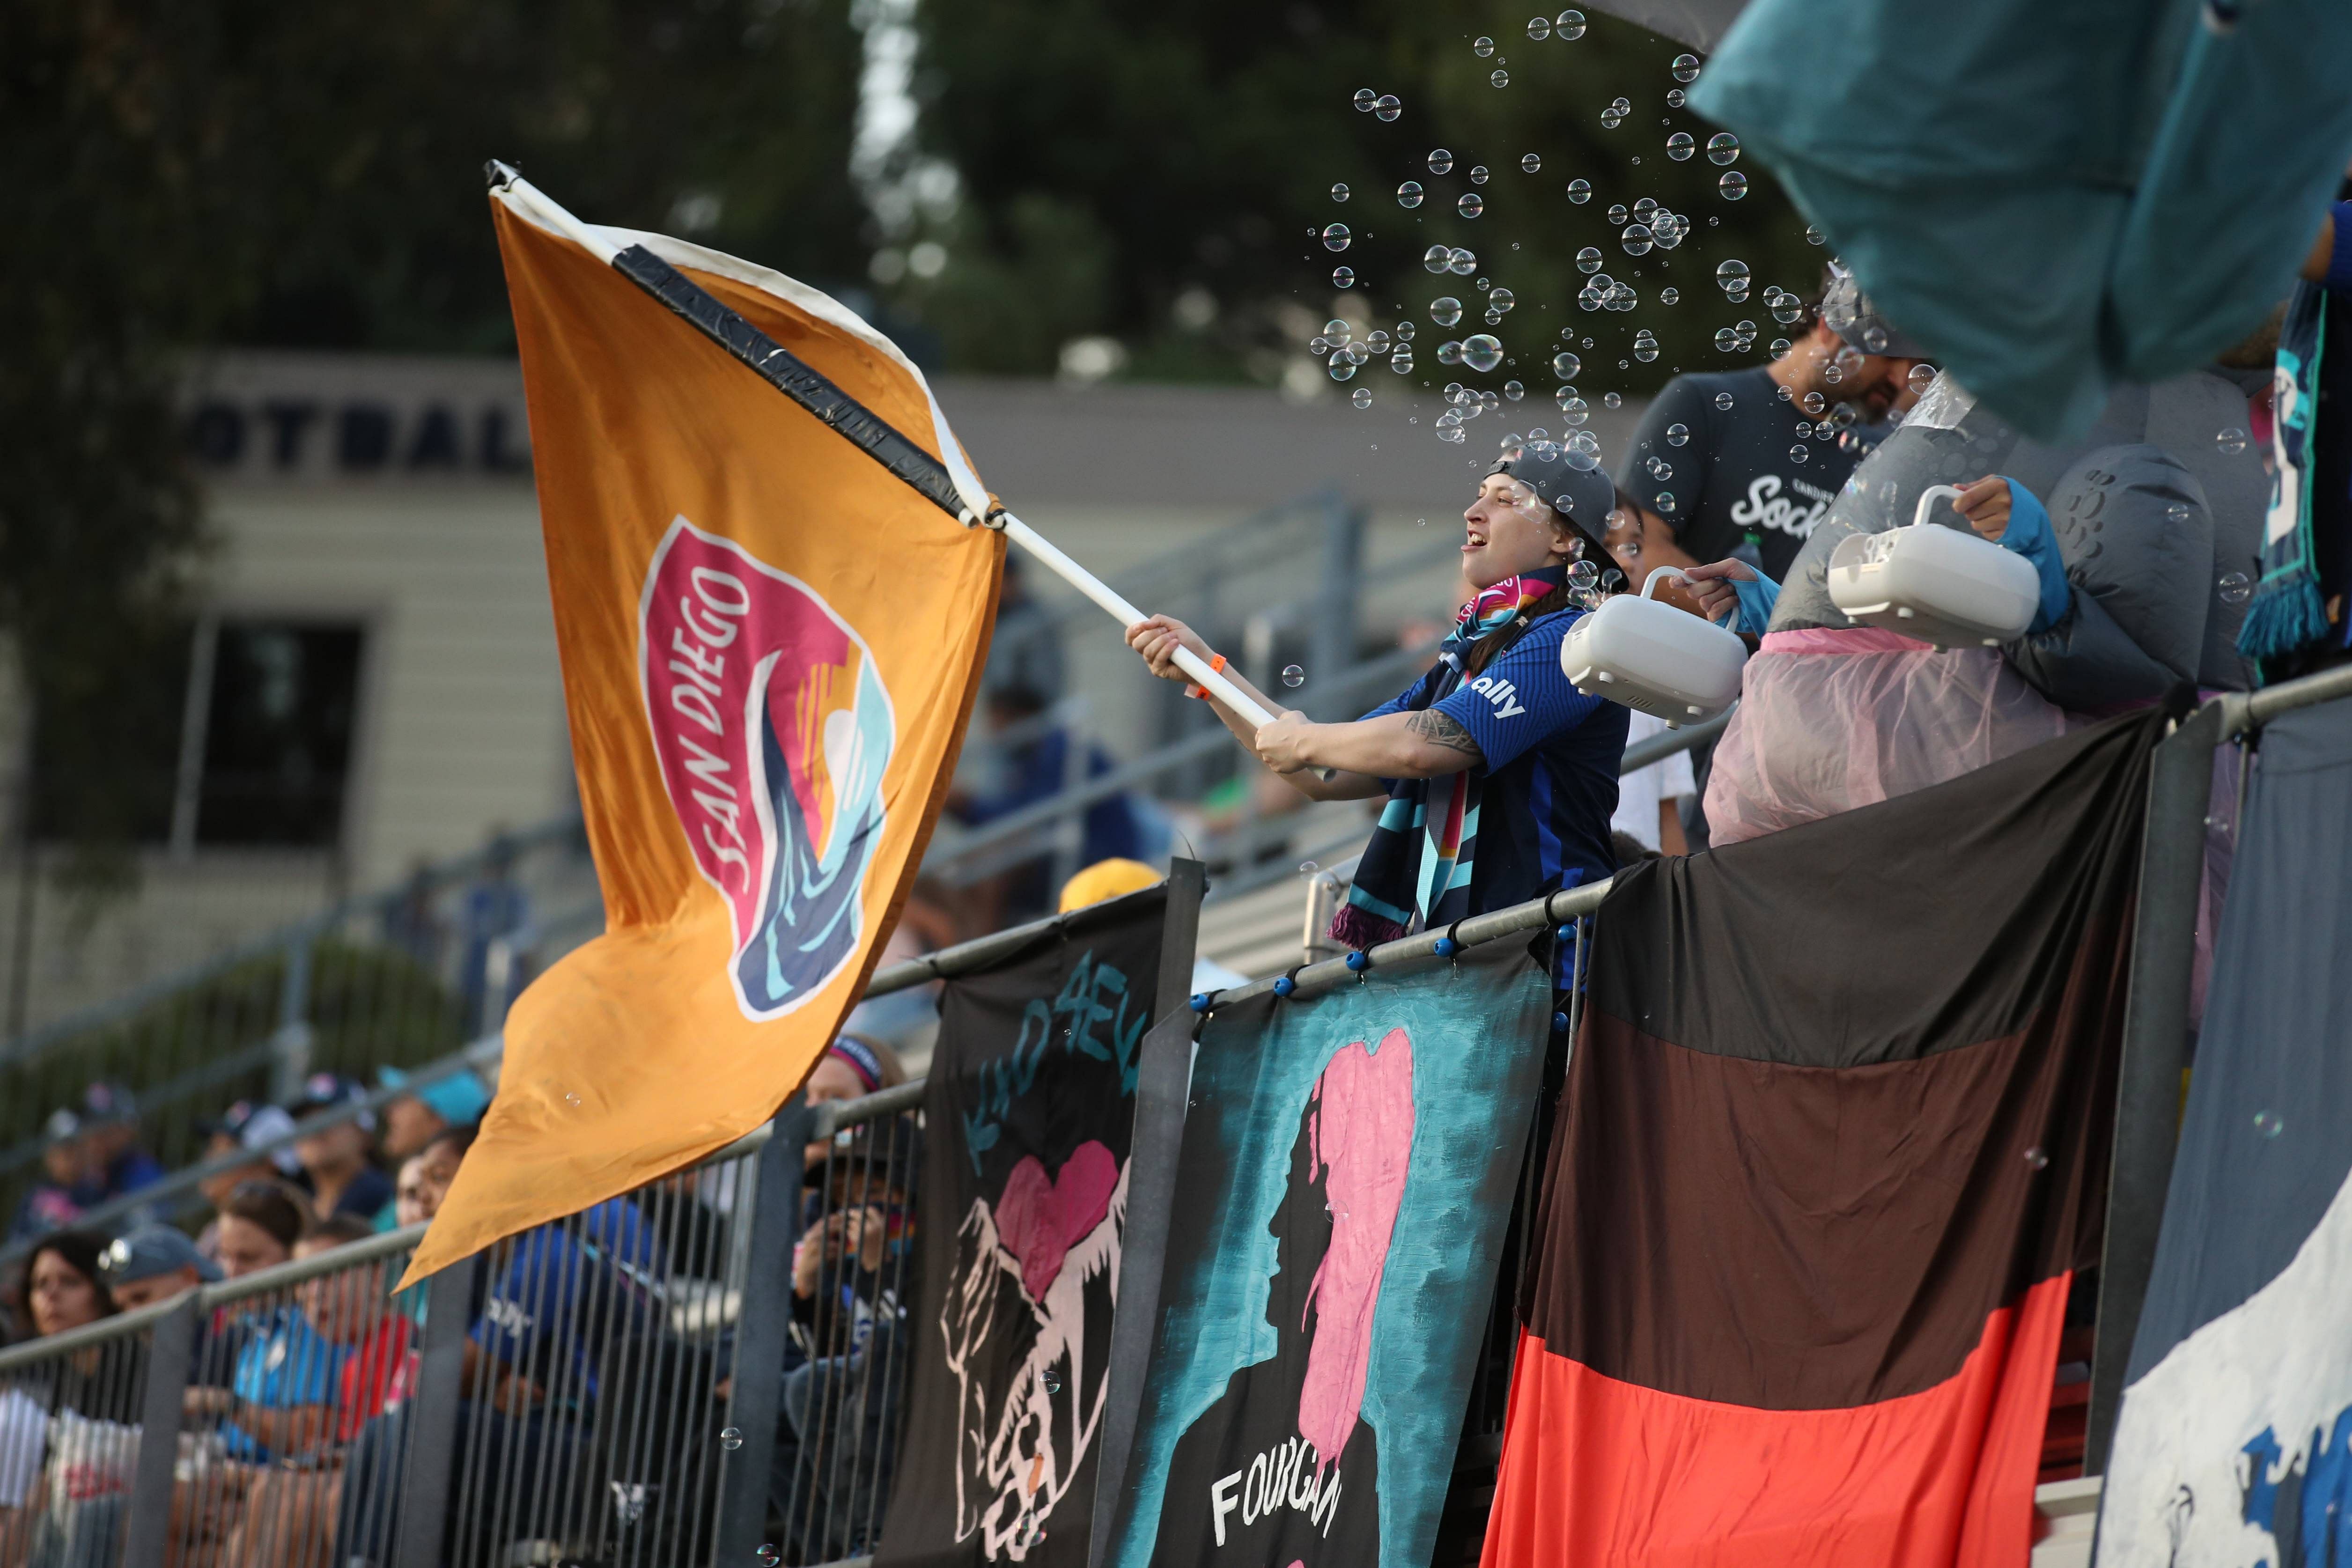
(958, 496)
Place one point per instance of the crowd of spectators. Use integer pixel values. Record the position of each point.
(294, 1432)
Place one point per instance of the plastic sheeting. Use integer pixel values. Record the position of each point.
(1835, 719)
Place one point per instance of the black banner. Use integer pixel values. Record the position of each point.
(1029, 1116)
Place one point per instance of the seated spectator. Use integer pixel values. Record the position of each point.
(436, 1166)
(110, 1120)
(257, 1226)
(335, 1158)
(73, 1511)
(850, 1068)
(1037, 761)
(154, 1263)
(55, 1202)
(247, 1125)
(416, 1118)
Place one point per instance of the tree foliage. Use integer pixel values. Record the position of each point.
(1115, 159)
(187, 173)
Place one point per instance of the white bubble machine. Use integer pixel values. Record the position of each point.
(1649, 656)
(1942, 585)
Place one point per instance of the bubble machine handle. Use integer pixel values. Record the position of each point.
(1927, 500)
(1677, 573)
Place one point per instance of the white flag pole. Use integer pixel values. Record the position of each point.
(1125, 614)
(535, 205)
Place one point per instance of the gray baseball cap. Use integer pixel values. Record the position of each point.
(151, 1251)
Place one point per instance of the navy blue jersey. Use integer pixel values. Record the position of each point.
(1551, 770)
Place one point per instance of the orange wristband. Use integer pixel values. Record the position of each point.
(1217, 663)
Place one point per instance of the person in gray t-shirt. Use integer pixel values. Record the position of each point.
(1745, 462)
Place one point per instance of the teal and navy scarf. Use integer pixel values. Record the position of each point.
(2288, 610)
(1417, 864)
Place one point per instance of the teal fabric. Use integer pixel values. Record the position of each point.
(2051, 198)
(2029, 534)
(1757, 597)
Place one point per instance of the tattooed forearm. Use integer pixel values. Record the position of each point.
(1440, 730)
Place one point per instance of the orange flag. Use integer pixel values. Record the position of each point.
(771, 642)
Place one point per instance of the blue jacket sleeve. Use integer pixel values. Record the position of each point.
(2029, 534)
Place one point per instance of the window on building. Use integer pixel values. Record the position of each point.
(256, 747)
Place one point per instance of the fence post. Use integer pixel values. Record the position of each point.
(172, 1345)
(292, 1043)
(766, 1298)
(432, 1437)
(1331, 644)
(1163, 1080)
(2155, 1054)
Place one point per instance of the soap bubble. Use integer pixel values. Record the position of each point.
(2230, 441)
(1814, 236)
(1725, 340)
(1686, 68)
(1617, 215)
(1675, 97)
(1050, 1380)
(1501, 300)
(1610, 400)
(2037, 1158)
(1388, 108)
(1569, 25)
(1342, 368)
(1922, 377)
(1440, 161)
(1723, 147)
(1588, 259)
(1572, 408)
(1338, 192)
(1530, 164)
(1679, 146)
(1813, 403)
(1664, 501)
(1645, 349)
(1343, 277)
(1539, 28)
(1307, 868)
(1436, 257)
(1501, 78)
(1363, 397)
(1335, 236)
(2269, 1123)
(1401, 360)
(1470, 205)
(1482, 48)
(1336, 332)
(571, 1099)
(1364, 100)
(1482, 352)
(2177, 512)
(1445, 310)
(1733, 185)
(2235, 588)
(1404, 331)
(1636, 239)
(1583, 573)
(731, 1438)
(1669, 296)
(1449, 352)
(1610, 120)
(1579, 192)
(1796, 453)
(1461, 263)
(1514, 390)
(1565, 366)
(769, 1554)
(1731, 275)
(1293, 676)
(1677, 435)
(1723, 401)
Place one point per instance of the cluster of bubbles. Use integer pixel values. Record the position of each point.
(1569, 25)
(1615, 115)
(1450, 258)
(1348, 354)
(1379, 105)
(1785, 305)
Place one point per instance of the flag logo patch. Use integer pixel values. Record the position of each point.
(773, 731)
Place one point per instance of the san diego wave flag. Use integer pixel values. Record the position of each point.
(2234, 1443)
(770, 640)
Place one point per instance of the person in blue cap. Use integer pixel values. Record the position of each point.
(422, 1114)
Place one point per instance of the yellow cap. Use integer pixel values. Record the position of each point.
(1106, 879)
